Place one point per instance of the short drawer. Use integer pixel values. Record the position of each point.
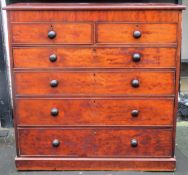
(125, 33)
(68, 57)
(52, 33)
(94, 111)
(95, 83)
(92, 142)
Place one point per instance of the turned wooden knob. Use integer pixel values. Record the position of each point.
(137, 34)
(55, 143)
(134, 143)
(51, 34)
(53, 57)
(54, 83)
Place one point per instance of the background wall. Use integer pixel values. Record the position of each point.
(185, 33)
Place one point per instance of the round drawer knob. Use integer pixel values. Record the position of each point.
(51, 34)
(55, 143)
(134, 143)
(135, 113)
(135, 83)
(136, 57)
(137, 34)
(54, 83)
(54, 112)
(53, 57)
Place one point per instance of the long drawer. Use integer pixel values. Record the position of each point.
(52, 33)
(94, 111)
(91, 142)
(121, 82)
(110, 57)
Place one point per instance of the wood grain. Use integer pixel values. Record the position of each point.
(94, 95)
(123, 33)
(95, 15)
(136, 164)
(100, 57)
(94, 83)
(96, 142)
(67, 33)
(94, 111)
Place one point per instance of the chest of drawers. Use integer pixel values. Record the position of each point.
(95, 85)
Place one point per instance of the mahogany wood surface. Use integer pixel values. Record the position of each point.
(96, 112)
(79, 33)
(86, 142)
(95, 16)
(139, 164)
(123, 33)
(94, 97)
(99, 57)
(68, 33)
(95, 83)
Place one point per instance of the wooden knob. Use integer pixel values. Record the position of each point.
(135, 113)
(51, 34)
(55, 143)
(53, 57)
(136, 57)
(54, 83)
(134, 143)
(135, 83)
(137, 34)
(54, 112)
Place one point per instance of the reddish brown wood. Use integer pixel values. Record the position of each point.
(123, 33)
(101, 86)
(96, 142)
(95, 111)
(67, 33)
(139, 164)
(95, 83)
(84, 57)
(95, 16)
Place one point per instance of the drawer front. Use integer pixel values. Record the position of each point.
(90, 142)
(65, 33)
(162, 16)
(94, 111)
(95, 83)
(56, 57)
(124, 33)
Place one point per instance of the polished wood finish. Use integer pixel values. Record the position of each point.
(135, 15)
(123, 33)
(139, 164)
(100, 57)
(95, 142)
(67, 33)
(96, 83)
(114, 111)
(89, 92)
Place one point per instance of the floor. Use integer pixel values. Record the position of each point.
(7, 154)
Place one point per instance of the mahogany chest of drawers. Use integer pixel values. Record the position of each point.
(95, 86)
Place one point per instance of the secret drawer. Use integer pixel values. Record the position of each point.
(127, 33)
(91, 142)
(121, 82)
(95, 111)
(68, 57)
(52, 33)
